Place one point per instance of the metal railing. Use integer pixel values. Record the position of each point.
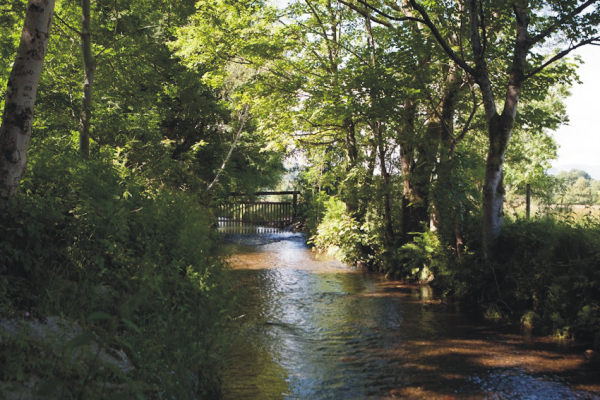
(256, 216)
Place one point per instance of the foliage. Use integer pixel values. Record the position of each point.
(416, 260)
(339, 233)
(381, 118)
(546, 274)
(126, 235)
(576, 187)
(96, 239)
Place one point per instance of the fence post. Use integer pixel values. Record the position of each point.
(295, 205)
(528, 201)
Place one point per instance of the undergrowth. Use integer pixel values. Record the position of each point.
(125, 257)
(546, 272)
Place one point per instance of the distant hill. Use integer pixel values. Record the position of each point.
(592, 170)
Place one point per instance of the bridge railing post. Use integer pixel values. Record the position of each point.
(295, 205)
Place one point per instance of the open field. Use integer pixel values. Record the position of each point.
(517, 209)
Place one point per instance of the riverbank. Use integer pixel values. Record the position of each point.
(544, 271)
(105, 293)
(311, 326)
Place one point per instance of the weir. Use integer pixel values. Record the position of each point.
(248, 217)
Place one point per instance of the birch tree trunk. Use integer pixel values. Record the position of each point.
(500, 126)
(21, 91)
(88, 80)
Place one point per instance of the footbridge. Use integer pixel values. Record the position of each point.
(241, 215)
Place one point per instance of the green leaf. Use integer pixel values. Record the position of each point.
(131, 325)
(81, 340)
(98, 316)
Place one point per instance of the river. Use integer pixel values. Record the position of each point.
(311, 327)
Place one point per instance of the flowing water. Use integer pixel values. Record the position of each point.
(313, 328)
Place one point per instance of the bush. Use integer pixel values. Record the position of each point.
(552, 268)
(339, 234)
(416, 261)
(546, 274)
(132, 261)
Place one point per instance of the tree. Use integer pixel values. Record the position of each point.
(567, 19)
(577, 187)
(488, 26)
(88, 79)
(17, 119)
(573, 175)
(581, 192)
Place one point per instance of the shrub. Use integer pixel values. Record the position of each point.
(551, 268)
(341, 235)
(133, 261)
(416, 261)
(546, 274)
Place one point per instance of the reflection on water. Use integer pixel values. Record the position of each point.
(312, 327)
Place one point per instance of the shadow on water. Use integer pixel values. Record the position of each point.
(312, 327)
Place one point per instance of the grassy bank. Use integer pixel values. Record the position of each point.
(546, 273)
(127, 267)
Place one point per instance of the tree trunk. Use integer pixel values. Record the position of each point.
(88, 80)
(365, 192)
(500, 125)
(418, 163)
(350, 188)
(243, 120)
(377, 128)
(407, 164)
(447, 205)
(500, 130)
(414, 205)
(21, 91)
(370, 166)
(387, 210)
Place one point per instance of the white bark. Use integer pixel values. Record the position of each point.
(243, 120)
(21, 91)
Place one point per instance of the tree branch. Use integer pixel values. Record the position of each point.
(330, 126)
(106, 48)
(483, 29)
(467, 125)
(363, 13)
(561, 55)
(552, 28)
(301, 39)
(399, 19)
(327, 39)
(438, 36)
(318, 143)
(243, 121)
(67, 25)
(317, 17)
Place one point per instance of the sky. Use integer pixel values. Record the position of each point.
(580, 140)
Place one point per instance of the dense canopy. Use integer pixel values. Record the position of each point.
(411, 128)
